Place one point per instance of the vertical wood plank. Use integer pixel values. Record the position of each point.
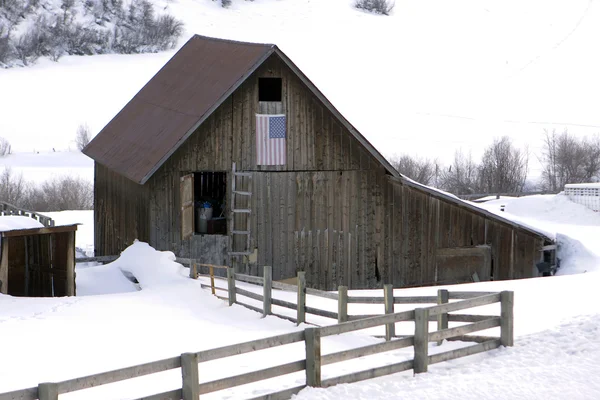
(267, 290)
(231, 285)
(301, 300)
(342, 304)
(421, 340)
(388, 295)
(507, 301)
(442, 319)
(312, 337)
(189, 375)
(4, 266)
(70, 264)
(48, 391)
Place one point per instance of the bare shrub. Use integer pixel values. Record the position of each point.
(5, 148)
(13, 188)
(82, 137)
(225, 3)
(63, 193)
(422, 170)
(377, 6)
(111, 27)
(503, 168)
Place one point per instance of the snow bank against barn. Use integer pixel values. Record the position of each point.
(14, 222)
(138, 267)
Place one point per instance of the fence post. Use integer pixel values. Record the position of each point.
(312, 339)
(506, 318)
(189, 375)
(267, 289)
(194, 271)
(231, 285)
(421, 340)
(442, 320)
(342, 304)
(388, 295)
(301, 304)
(48, 391)
(211, 271)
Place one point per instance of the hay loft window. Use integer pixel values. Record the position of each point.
(269, 89)
(203, 203)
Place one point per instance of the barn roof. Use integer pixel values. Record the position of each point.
(186, 91)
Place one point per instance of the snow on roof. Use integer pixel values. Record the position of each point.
(15, 222)
(583, 185)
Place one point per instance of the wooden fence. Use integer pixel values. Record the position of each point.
(314, 358)
(9, 209)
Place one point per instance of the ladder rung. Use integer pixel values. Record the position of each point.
(239, 253)
(242, 193)
(241, 210)
(240, 232)
(247, 174)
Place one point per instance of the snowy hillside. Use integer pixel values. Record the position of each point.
(428, 79)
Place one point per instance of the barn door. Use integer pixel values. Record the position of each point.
(187, 206)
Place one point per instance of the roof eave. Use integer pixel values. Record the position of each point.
(461, 203)
(208, 113)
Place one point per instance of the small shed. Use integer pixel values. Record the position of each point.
(38, 262)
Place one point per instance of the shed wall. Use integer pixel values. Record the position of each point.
(120, 212)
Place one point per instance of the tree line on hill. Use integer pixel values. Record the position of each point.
(503, 168)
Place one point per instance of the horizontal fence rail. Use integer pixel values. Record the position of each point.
(421, 318)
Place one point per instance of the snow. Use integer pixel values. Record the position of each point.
(452, 75)
(14, 222)
(583, 185)
(557, 320)
(575, 227)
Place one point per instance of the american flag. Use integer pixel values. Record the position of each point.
(270, 139)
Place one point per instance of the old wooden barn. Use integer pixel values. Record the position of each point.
(230, 155)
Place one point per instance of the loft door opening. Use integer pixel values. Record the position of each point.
(269, 89)
(209, 203)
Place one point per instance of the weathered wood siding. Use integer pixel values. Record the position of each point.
(120, 212)
(358, 229)
(316, 141)
(331, 211)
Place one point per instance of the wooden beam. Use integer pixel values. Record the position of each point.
(4, 266)
(70, 264)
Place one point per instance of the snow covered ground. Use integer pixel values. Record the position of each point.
(556, 353)
(452, 74)
(114, 323)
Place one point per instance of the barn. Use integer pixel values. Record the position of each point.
(230, 155)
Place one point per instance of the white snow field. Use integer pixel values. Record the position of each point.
(432, 77)
(114, 323)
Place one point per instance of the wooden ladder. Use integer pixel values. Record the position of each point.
(239, 231)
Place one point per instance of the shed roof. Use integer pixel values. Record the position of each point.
(186, 91)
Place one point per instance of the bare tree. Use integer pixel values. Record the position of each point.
(503, 168)
(13, 188)
(461, 176)
(422, 170)
(568, 159)
(5, 147)
(83, 136)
